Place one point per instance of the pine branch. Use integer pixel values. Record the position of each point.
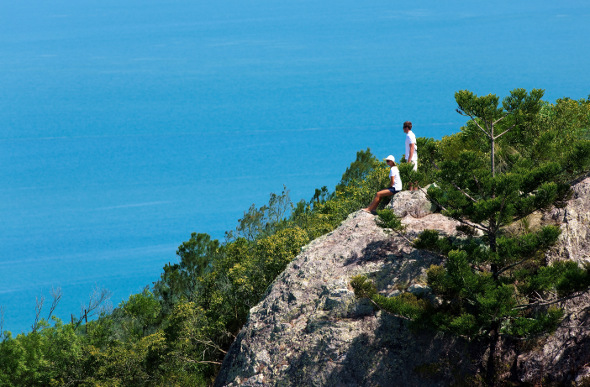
(463, 192)
(498, 120)
(465, 222)
(546, 303)
(506, 131)
(512, 265)
(473, 119)
(482, 129)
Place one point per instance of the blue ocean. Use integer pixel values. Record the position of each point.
(127, 125)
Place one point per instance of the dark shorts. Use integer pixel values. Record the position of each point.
(392, 190)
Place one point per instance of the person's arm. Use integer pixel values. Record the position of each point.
(412, 146)
(392, 178)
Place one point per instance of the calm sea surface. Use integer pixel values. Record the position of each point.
(127, 125)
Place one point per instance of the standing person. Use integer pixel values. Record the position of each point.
(395, 181)
(411, 150)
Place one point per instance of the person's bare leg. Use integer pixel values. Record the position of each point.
(414, 186)
(373, 204)
(380, 195)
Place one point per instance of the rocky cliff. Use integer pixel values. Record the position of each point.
(310, 329)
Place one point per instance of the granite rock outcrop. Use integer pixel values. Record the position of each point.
(310, 329)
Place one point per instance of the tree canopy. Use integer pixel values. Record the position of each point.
(493, 282)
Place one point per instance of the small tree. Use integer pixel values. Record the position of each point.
(495, 121)
(493, 283)
(359, 169)
(181, 280)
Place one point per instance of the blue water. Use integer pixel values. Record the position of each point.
(127, 125)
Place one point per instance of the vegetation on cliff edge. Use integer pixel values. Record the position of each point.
(177, 331)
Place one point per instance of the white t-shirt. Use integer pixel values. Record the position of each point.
(411, 139)
(397, 180)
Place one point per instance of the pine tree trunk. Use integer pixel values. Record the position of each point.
(493, 154)
(491, 366)
(492, 234)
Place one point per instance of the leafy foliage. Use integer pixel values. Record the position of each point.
(387, 219)
(177, 331)
(263, 221)
(510, 160)
(359, 169)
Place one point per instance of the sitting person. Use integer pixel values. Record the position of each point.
(396, 185)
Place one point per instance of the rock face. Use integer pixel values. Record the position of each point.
(310, 329)
(574, 241)
(565, 356)
(412, 203)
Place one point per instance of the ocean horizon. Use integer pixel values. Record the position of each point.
(126, 126)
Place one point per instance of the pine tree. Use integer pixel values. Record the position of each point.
(494, 283)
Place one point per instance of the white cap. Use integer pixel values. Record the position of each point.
(390, 157)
